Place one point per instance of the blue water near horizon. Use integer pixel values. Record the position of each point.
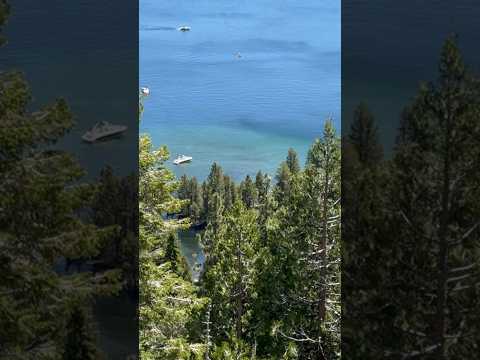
(243, 113)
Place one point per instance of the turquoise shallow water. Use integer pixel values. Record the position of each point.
(242, 112)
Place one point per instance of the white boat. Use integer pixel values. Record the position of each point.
(182, 159)
(145, 91)
(102, 130)
(184, 28)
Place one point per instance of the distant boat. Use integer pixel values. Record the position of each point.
(103, 130)
(40, 115)
(145, 91)
(184, 28)
(182, 159)
(238, 55)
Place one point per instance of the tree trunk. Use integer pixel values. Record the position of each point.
(440, 321)
(240, 290)
(323, 261)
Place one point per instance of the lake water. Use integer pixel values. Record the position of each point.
(250, 80)
(243, 112)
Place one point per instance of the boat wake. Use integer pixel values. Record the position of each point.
(157, 28)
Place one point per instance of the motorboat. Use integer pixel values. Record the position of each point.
(145, 91)
(103, 130)
(182, 159)
(40, 115)
(184, 28)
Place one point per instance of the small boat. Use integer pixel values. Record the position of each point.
(145, 91)
(103, 130)
(40, 115)
(184, 28)
(182, 159)
(238, 55)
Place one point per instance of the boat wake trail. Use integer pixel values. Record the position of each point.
(157, 28)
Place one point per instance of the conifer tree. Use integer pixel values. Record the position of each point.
(436, 216)
(265, 207)
(171, 252)
(213, 234)
(262, 184)
(364, 136)
(304, 249)
(80, 342)
(283, 182)
(196, 204)
(249, 192)
(229, 199)
(215, 180)
(235, 253)
(292, 161)
(364, 235)
(322, 190)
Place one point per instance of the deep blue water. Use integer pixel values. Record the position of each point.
(390, 47)
(243, 113)
(81, 53)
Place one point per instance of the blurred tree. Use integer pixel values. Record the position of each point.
(80, 342)
(42, 223)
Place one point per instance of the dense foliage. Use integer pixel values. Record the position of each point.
(270, 284)
(168, 302)
(413, 218)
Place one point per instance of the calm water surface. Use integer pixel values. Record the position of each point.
(243, 112)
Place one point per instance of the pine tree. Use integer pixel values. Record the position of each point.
(364, 136)
(229, 199)
(171, 252)
(364, 235)
(80, 342)
(436, 187)
(215, 180)
(262, 185)
(249, 192)
(265, 206)
(292, 161)
(322, 190)
(283, 185)
(213, 234)
(304, 248)
(230, 279)
(196, 203)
